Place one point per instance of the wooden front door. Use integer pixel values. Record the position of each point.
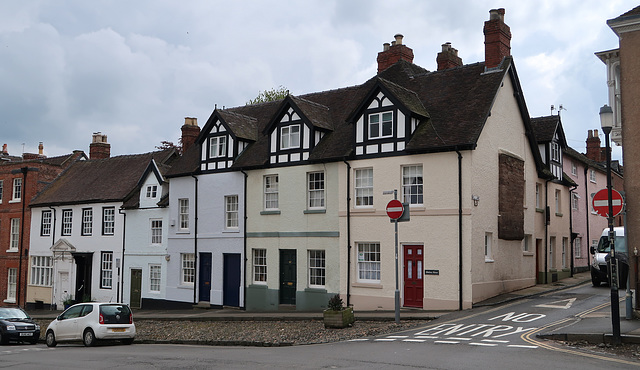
(231, 280)
(135, 295)
(205, 278)
(413, 275)
(288, 276)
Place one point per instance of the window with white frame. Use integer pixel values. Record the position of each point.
(106, 270)
(412, 188)
(552, 247)
(41, 270)
(364, 187)
(260, 266)
(290, 137)
(14, 237)
(231, 212)
(12, 284)
(574, 169)
(155, 275)
(592, 175)
(317, 270)
(564, 252)
(17, 189)
(152, 191)
(217, 147)
(183, 213)
(538, 195)
(380, 125)
(316, 190)
(188, 268)
(526, 243)
(577, 247)
(87, 221)
(555, 151)
(271, 192)
(1, 189)
(156, 231)
(488, 240)
(558, 202)
(575, 201)
(67, 218)
(45, 223)
(108, 220)
(369, 262)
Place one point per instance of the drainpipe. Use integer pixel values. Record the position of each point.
(348, 232)
(24, 171)
(244, 237)
(460, 284)
(195, 241)
(121, 267)
(547, 218)
(571, 227)
(586, 205)
(53, 240)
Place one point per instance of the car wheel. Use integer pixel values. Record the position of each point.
(51, 339)
(34, 340)
(127, 341)
(595, 281)
(89, 338)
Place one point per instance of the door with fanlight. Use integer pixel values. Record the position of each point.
(413, 275)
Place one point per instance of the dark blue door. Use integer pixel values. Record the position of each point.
(205, 277)
(231, 280)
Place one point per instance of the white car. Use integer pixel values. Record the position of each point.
(90, 322)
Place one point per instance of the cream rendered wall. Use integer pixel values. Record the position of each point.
(509, 267)
(433, 225)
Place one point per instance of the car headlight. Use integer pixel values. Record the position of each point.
(11, 327)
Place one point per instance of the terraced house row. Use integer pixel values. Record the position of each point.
(281, 204)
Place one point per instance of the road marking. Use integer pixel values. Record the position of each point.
(482, 344)
(398, 336)
(495, 341)
(521, 346)
(458, 338)
(564, 307)
(427, 336)
(385, 340)
(414, 340)
(446, 342)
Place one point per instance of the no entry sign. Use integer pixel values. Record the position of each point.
(395, 209)
(601, 202)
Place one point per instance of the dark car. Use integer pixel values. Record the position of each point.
(17, 326)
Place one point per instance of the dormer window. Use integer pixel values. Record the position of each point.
(380, 125)
(290, 137)
(217, 147)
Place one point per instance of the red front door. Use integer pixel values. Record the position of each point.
(413, 274)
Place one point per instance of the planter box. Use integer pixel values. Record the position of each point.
(338, 319)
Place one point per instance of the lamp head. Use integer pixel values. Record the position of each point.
(606, 118)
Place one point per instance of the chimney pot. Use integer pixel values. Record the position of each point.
(448, 57)
(385, 46)
(99, 147)
(398, 38)
(40, 148)
(4, 149)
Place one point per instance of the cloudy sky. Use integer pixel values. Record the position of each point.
(134, 69)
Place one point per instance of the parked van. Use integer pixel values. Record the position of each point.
(599, 268)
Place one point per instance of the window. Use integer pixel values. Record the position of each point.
(218, 147)
(106, 270)
(14, 241)
(316, 190)
(290, 137)
(592, 175)
(87, 221)
(152, 191)
(558, 202)
(577, 247)
(155, 273)
(1, 187)
(45, 223)
(412, 185)
(260, 266)
(231, 211)
(188, 268)
(108, 220)
(17, 189)
(380, 125)
(271, 192)
(526, 246)
(183, 213)
(369, 262)
(564, 253)
(156, 231)
(67, 217)
(538, 195)
(12, 284)
(364, 187)
(574, 169)
(487, 247)
(316, 268)
(555, 151)
(575, 201)
(41, 269)
(552, 246)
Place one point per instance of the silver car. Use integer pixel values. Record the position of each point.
(90, 322)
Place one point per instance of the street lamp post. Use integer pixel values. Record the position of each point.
(606, 121)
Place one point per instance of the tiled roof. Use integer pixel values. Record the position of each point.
(99, 180)
(544, 127)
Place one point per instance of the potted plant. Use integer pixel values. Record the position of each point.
(337, 315)
(67, 301)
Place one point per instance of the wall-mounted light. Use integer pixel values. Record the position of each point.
(167, 257)
(475, 199)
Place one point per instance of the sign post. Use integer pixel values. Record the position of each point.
(601, 202)
(395, 209)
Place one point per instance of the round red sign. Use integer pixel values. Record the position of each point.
(601, 202)
(395, 209)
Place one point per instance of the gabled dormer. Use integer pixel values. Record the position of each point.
(296, 129)
(151, 186)
(386, 119)
(223, 138)
(551, 142)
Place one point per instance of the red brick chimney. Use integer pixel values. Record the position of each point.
(394, 53)
(190, 131)
(4, 149)
(448, 57)
(594, 149)
(497, 39)
(99, 148)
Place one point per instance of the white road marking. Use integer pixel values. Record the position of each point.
(521, 346)
(414, 340)
(458, 338)
(482, 344)
(495, 341)
(565, 306)
(446, 342)
(385, 340)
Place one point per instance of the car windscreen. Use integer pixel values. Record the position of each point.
(115, 314)
(605, 247)
(12, 313)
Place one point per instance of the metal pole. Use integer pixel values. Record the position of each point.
(613, 264)
(397, 293)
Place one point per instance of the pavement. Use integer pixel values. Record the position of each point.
(596, 327)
